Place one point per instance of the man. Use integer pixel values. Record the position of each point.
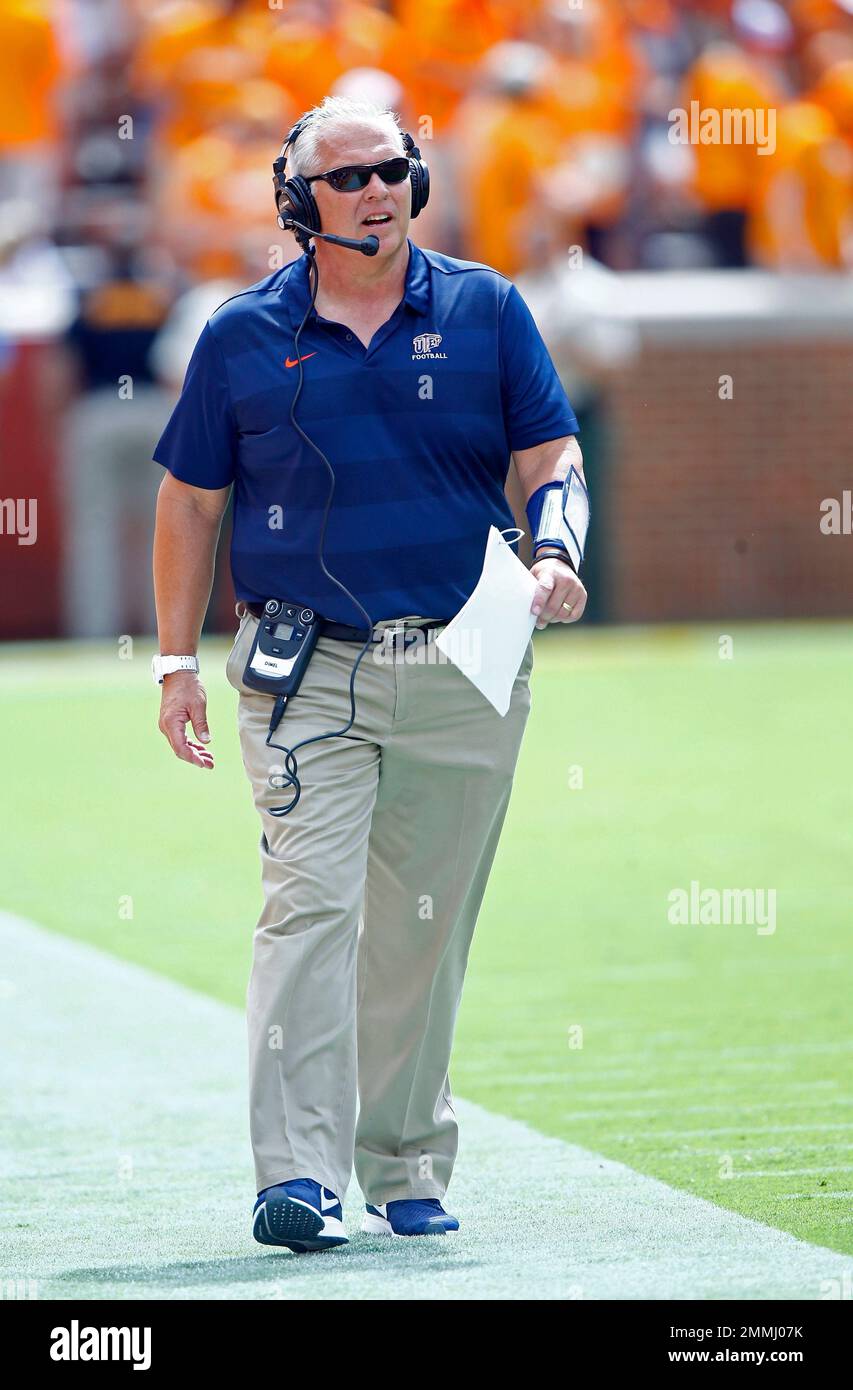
(420, 375)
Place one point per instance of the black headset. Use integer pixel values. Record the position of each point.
(302, 203)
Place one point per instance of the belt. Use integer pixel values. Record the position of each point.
(343, 633)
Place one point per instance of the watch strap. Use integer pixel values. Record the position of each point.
(162, 666)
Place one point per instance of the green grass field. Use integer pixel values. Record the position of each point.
(713, 1057)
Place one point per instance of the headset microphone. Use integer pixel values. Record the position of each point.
(368, 247)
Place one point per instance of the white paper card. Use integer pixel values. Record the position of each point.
(488, 637)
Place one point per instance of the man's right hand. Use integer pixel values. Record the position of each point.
(184, 701)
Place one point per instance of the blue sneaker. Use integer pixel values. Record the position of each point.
(422, 1216)
(302, 1215)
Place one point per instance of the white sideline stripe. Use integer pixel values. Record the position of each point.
(760, 1051)
(133, 1178)
(602, 1074)
(554, 1078)
(797, 1173)
(549, 1078)
(751, 1149)
(739, 1129)
(796, 1196)
(650, 1110)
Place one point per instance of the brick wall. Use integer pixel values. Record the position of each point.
(705, 507)
(712, 507)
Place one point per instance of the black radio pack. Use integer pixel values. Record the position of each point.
(286, 636)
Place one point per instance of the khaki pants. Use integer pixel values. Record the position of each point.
(372, 886)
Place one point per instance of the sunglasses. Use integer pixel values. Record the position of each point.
(355, 176)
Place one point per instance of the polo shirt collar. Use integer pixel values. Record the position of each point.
(415, 292)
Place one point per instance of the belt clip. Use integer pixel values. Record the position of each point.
(392, 633)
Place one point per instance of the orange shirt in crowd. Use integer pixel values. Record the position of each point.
(812, 16)
(596, 97)
(216, 193)
(191, 60)
(725, 78)
(29, 70)
(446, 40)
(834, 92)
(308, 56)
(170, 31)
(503, 147)
(802, 208)
(827, 170)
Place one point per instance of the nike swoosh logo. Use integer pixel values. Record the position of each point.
(325, 1204)
(294, 361)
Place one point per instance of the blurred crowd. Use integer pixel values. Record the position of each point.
(137, 136)
(153, 123)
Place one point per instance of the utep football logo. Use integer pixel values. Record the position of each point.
(424, 346)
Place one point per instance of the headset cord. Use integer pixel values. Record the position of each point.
(289, 774)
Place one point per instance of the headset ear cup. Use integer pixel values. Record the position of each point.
(302, 202)
(420, 186)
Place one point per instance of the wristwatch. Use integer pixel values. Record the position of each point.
(167, 665)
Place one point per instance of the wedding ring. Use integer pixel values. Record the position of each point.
(568, 607)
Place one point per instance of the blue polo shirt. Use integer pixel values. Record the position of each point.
(418, 427)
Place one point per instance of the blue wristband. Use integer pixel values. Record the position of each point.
(558, 514)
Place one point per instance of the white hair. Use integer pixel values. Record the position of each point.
(332, 114)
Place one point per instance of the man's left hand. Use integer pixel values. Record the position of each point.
(557, 585)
